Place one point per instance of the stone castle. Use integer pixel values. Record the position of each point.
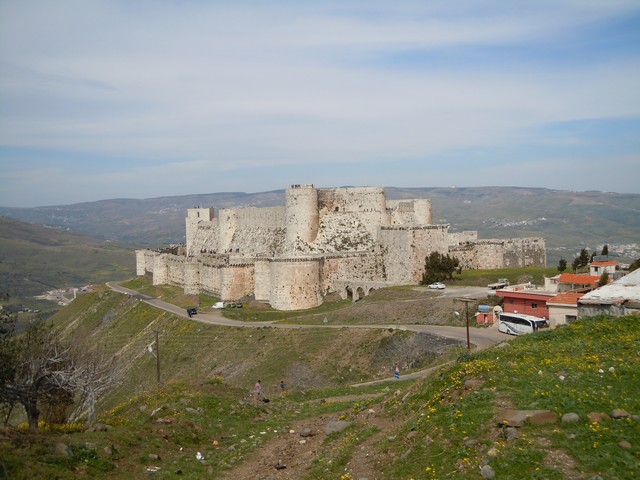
(347, 241)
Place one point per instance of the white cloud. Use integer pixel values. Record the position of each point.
(291, 83)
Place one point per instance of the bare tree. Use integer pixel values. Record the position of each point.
(94, 373)
(36, 369)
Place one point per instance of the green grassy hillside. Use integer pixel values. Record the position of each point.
(35, 259)
(201, 423)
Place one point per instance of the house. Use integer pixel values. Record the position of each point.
(526, 299)
(599, 267)
(618, 298)
(563, 308)
(572, 282)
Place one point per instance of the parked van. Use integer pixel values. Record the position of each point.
(218, 305)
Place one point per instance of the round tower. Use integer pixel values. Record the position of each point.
(301, 214)
(423, 212)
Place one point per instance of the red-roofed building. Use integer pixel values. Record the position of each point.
(563, 308)
(525, 299)
(571, 282)
(597, 268)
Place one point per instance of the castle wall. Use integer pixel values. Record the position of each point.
(210, 273)
(460, 238)
(236, 281)
(480, 255)
(368, 204)
(262, 279)
(525, 252)
(295, 283)
(501, 253)
(144, 261)
(406, 249)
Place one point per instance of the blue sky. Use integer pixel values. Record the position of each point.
(120, 99)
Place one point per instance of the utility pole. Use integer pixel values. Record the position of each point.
(466, 310)
(158, 357)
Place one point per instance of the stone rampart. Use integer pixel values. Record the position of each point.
(500, 253)
(460, 238)
(406, 249)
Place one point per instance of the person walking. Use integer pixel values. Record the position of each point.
(257, 391)
(396, 373)
(283, 387)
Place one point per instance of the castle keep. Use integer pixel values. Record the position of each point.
(344, 240)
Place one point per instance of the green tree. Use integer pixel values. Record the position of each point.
(582, 260)
(635, 265)
(439, 267)
(605, 250)
(604, 278)
(562, 265)
(575, 265)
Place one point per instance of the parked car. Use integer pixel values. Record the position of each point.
(437, 286)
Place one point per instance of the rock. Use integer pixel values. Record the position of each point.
(405, 454)
(543, 417)
(472, 442)
(472, 384)
(154, 456)
(597, 417)
(511, 433)
(193, 411)
(570, 418)
(62, 449)
(517, 418)
(619, 413)
(412, 434)
(624, 444)
(391, 438)
(487, 472)
(336, 426)
(306, 432)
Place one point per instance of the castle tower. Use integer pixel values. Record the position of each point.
(301, 214)
(422, 211)
(195, 216)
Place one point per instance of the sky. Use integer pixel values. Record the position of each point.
(121, 99)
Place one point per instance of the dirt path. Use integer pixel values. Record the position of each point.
(291, 455)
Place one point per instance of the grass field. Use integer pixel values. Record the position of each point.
(435, 428)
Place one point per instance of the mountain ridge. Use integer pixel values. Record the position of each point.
(568, 220)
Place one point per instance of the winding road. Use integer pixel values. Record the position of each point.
(481, 338)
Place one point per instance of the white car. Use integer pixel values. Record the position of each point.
(437, 286)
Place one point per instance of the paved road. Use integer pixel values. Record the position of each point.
(481, 338)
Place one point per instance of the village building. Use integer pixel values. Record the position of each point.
(347, 241)
(563, 308)
(526, 299)
(618, 298)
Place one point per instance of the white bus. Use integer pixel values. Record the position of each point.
(519, 324)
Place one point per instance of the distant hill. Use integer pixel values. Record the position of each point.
(35, 259)
(567, 220)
